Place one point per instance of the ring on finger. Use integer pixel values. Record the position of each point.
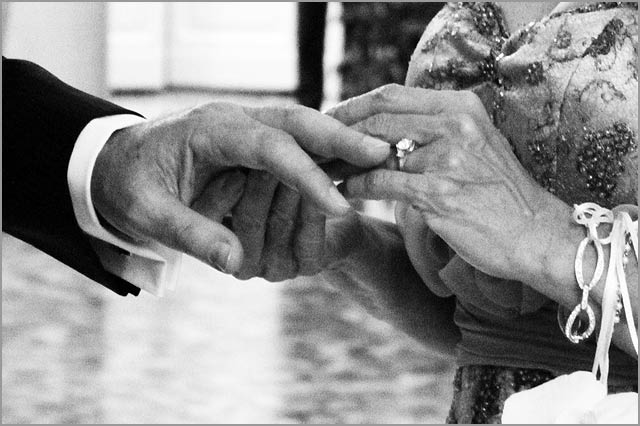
(403, 148)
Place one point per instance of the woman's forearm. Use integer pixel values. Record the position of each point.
(378, 274)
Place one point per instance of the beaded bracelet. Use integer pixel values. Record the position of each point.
(591, 216)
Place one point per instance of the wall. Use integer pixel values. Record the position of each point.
(68, 39)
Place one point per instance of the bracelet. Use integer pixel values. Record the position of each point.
(591, 216)
(616, 299)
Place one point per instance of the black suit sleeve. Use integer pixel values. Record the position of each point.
(41, 120)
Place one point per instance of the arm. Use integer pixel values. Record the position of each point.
(42, 118)
(553, 242)
(469, 188)
(151, 181)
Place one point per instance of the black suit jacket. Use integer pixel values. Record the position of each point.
(41, 120)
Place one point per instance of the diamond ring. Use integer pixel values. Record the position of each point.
(403, 148)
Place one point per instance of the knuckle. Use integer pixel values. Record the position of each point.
(455, 158)
(378, 124)
(393, 89)
(465, 126)
(386, 94)
(447, 204)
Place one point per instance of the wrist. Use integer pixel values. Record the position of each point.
(555, 275)
(550, 250)
(109, 196)
(83, 164)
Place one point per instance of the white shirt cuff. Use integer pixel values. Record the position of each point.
(149, 266)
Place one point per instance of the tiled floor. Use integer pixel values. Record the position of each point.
(217, 350)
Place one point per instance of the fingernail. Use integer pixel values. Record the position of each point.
(329, 111)
(378, 147)
(223, 252)
(219, 268)
(339, 200)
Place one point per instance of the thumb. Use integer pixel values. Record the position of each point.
(186, 230)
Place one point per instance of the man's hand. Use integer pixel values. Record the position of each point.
(283, 235)
(155, 180)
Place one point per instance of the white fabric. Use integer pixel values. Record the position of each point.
(571, 399)
(149, 266)
(553, 400)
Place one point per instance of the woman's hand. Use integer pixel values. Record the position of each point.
(466, 184)
(463, 179)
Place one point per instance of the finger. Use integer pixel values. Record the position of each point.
(249, 219)
(324, 136)
(278, 262)
(181, 228)
(282, 156)
(309, 243)
(220, 195)
(409, 188)
(396, 99)
(439, 157)
(423, 129)
(338, 170)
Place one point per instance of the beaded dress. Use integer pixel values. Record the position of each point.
(564, 92)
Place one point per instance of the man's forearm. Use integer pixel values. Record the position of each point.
(42, 118)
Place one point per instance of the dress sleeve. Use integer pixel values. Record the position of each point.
(446, 274)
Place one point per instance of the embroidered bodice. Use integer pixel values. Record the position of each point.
(563, 90)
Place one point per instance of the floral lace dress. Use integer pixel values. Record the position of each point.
(564, 92)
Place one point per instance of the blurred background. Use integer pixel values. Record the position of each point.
(217, 350)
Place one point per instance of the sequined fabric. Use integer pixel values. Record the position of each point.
(480, 391)
(563, 91)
